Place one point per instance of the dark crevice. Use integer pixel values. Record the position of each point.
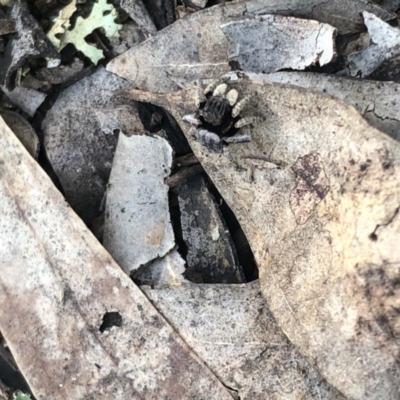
(9, 372)
(166, 122)
(243, 250)
(231, 389)
(176, 223)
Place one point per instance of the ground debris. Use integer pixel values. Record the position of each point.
(344, 15)
(288, 185)
(301, 43)
(102, 16)
(210, 250)
(23, 130)
(385, 45)
(138, 12)
(195, 48)
(316, 271)
(253, 357)
(80, 152)
(61, 73)
(65, 303)
(22, 47)
(168, 270)
(376, 101)
(137, 224)
(28, 100)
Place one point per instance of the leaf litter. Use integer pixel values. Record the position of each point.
(315, 191)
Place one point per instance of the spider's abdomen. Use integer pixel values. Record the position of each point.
(217, 110)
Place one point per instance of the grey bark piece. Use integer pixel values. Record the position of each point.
(344, 15)
(79, 151)
(30, 42)
(137, 225)
(323, 226)
(28, 100)
(210, 250)
(270, 43)
(167, 270)
(123, 118)
(59, 283)
(61, 73)
(385, 46)
(138, 12)
(378, 102)
(234, 333)
(128, 36)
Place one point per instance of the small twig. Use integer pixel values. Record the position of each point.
(183, 174)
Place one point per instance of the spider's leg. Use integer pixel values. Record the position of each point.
(244, 122)
(210, 140)
(213, 85)
(232, 97)
(191, 119)
(200, 97)
(220, 90)
(239, 106)
(240, 137)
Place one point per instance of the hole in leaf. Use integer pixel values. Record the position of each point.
(110, 319)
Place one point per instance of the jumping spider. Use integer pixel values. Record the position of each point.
(217, 119)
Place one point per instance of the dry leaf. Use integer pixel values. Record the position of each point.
(234, 333)
(323, 226)
(80, 329)
(344, 15)
(375, 101)
(196, 47)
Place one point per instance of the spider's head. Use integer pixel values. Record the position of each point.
(217, 111)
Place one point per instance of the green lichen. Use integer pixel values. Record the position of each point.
(102, 16)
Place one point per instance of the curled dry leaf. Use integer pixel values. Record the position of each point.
(323, 225)
(196, 47)
(63, 287)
